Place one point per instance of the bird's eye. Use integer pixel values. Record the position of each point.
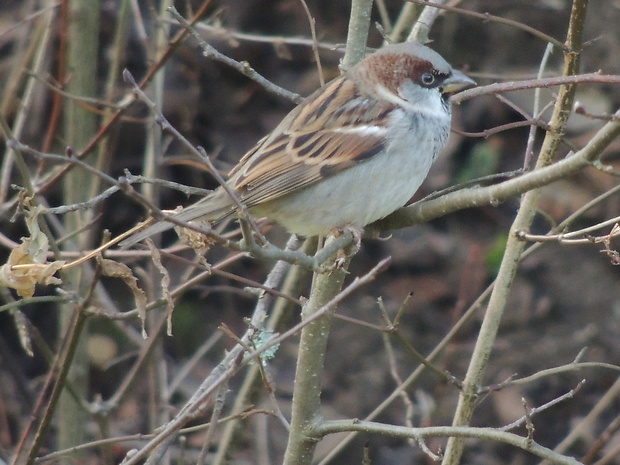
(428, 79)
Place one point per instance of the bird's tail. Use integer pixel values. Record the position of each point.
(207, 208)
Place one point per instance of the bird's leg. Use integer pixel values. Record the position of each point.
(343, 254)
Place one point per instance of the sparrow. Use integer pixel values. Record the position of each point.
(351, 153)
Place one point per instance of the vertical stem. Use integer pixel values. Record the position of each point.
(408, 15)
(357, 34)
(159, 411)
(80, 124)
(75, 328)
(43, 33)
(423, 24)
(514, 246)
(118, 53)
(325, 286)
(243, 395)
(312, 347)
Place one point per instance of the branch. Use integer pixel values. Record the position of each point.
(236, 359)
(357, 35)
(511, 86)
(422, 26)
(338, 426)
(243, 67)
(494, 195)
(514, 247)
(222, 33)
(486, 17)
(265, 252)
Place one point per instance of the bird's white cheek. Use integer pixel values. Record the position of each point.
(415, 99)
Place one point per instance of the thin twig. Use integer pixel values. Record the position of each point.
(486, 17)
(510, 86)
(409, 405)
(527, 418)
(235, 359)
(243, 67)
(571, 238)
(315, 42)
(531, 137)
(222, 33)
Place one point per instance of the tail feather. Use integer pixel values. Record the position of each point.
(207, 208)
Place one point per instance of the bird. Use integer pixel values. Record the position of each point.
(354, 151)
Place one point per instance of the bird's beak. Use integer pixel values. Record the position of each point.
(457, 82)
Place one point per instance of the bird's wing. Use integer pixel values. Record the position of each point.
(334, 129)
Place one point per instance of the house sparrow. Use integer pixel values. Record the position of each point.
(353, 152)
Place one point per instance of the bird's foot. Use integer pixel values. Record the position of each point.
(342, 255)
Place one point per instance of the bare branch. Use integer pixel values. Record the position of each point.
(337, 426)
(486, 17)
(243, 67)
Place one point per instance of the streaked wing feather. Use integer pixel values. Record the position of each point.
(312, 143)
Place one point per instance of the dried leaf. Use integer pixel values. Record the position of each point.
(197, 241)
(33, 252)
(114, 269)
(165, 283)
(22, 330)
